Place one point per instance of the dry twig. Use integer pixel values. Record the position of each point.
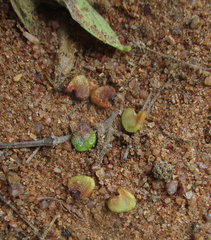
(105, 134)
(53, 140)
(184, 63)
(157, 95)
(36, 231)
(47, 142)
(43, 236)
(33, 154)
(179, 139)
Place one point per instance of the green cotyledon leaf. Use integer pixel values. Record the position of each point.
(83, 13)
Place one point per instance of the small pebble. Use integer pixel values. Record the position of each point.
(2, 177)
(143, 94)
(167, 200)
(66, 232)
(209, 216)
(31, 38)
(170, 40)
(207, 40)
(195, 21)
(17, 78)
(15, 187)
(171, 187)
(67, 146)
(188, 194)
(151, 124)
(57, 170)
(207, 80)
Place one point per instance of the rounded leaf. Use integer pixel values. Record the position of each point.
(132, 121)
(83, 184)
(124, 202)
(80, 85)
(84, 139)
(101, 96)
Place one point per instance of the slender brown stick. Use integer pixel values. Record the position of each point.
(47, 142)
(36, 231)
(176, 138)
(147, 101)
(43, 236)
(143, 46)
(107, 124)
(33, 154)
(157, 95)
(53, 140)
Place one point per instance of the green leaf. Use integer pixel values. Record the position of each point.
(83, 13)
(80, 10)
(84, 139)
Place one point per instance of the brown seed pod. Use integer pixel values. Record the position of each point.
(101, 96)
(80, 85)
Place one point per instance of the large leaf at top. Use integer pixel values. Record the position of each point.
(80, 10)
(83, 13)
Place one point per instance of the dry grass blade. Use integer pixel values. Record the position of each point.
(66, 56)
(36, 231)
(72, 210)
(66, 207)
(184, 63)
(43, 236)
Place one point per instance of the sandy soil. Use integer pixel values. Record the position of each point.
(177, 129)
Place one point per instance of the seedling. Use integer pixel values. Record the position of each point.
(131, 121)
(80, 85)
(82, 184)
(101, 96)
(84, 139)
(124, 202)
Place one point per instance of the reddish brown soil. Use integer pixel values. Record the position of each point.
(177, 128)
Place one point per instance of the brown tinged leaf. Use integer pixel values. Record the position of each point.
(80, 85)
(81, 184)
(101, 96)
(4, 200)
